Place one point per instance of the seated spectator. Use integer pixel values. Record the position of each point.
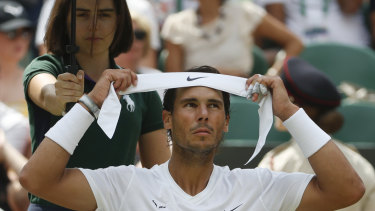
(321, 20)
(14, 150)
(372, 22)
(15, 35)
(221, 34)
(164, 8)
(315, 93)
(139, 49)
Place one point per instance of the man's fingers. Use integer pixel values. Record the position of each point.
(263, 89)
(251, 80)
(134, 78)
(123, 79)
(257, 86)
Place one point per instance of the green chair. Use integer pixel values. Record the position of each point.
(162, 59)
(260, 65)
(244, 123)
(343, 63)
(240, 142)
(359, 124)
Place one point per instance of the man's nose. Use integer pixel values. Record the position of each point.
(203, 113)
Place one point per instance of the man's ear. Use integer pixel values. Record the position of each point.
(167, 119)
(226, 124)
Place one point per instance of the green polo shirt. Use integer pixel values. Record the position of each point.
(95, 150)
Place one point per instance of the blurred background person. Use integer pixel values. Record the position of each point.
(140, 48)
(164, 8)
(32, 8)
(12, 195)
(146, 10)
(313, 91)
(316, 21)
(40, 32)
(15, 34)
(372, 22)
(221, 33)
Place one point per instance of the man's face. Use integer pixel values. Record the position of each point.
(198, 120)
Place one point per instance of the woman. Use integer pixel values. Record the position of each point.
(221, 34)
(103, 31)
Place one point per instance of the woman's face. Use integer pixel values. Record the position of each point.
(95, 26)
(14, 44)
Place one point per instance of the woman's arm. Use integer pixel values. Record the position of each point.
(52, 93)
(175, 58)
(273, 29)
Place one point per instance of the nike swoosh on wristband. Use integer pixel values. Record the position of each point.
(192, 79)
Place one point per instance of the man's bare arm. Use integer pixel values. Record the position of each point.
(336, 184)
(45, 176)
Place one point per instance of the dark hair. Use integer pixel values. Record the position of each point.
(170, 94)
(57, 36)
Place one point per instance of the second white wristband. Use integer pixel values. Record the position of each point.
(309, 136)
(69, 130)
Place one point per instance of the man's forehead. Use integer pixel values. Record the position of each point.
(198, 92)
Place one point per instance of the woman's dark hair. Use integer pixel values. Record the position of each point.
(57, 36)
(170, 94)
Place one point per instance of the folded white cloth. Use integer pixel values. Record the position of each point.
(151, 82)
(110, 113)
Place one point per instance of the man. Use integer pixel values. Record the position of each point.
(313, 91)
(196, 118)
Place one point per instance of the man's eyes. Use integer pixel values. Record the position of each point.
(192, 105)
(213, 105)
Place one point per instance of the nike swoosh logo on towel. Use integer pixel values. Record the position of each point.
(192, 79)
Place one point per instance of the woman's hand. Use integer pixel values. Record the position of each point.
(69, 88)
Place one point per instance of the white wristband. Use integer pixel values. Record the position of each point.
(309, 136)
(69, 130)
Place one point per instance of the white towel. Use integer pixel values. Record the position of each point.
(230, 84)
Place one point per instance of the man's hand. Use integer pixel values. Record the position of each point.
(122, 79)
(69, 88)
(282, 106)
